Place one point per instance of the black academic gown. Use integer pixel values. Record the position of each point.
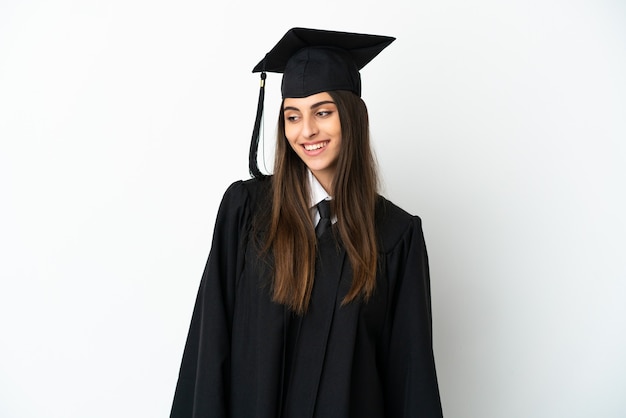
(371, 359)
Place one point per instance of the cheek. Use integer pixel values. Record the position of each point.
(291, 135)
(336, 127)
(291, 145)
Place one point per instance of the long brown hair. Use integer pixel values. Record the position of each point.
(291, 238)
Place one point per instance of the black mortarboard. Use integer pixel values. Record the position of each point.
(313, 61)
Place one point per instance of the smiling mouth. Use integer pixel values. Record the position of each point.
(313, 147)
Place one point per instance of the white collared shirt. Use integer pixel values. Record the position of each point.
(318, 193)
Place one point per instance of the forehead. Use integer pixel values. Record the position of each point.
(308, 101)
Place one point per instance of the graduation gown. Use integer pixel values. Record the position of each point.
(362, 359)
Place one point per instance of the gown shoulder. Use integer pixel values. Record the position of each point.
(243, 192)
(394, 224)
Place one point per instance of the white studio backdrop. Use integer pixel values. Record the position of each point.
(502, 124)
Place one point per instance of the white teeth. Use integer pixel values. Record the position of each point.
(313, 147)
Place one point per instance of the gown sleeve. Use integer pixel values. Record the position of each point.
(203, 382)
(411, 388)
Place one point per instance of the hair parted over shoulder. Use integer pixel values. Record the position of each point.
(291, 239)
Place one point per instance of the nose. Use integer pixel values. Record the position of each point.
(309, 128)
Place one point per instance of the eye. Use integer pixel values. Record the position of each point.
(324, 113)
(292, 118)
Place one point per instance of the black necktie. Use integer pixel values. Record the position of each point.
(324, 224)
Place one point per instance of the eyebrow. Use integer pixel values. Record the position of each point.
(313, 106)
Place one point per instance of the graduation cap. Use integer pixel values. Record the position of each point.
(313, 61)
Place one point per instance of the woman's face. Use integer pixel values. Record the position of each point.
(313, 130)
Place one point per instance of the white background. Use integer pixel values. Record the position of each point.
(502, 124)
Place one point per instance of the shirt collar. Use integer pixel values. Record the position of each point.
(318, 193)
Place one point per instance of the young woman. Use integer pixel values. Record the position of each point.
(302, 311)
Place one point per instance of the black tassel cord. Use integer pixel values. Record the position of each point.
(254, 143)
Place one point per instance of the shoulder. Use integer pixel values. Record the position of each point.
(242, 203)
(246, 192)
(394, 224)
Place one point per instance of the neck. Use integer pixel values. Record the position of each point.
(326, 180)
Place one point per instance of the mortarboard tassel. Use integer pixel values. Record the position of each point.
(254, 144)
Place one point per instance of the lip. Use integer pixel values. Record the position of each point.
(316, 151)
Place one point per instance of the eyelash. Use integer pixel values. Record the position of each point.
(321, 113)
